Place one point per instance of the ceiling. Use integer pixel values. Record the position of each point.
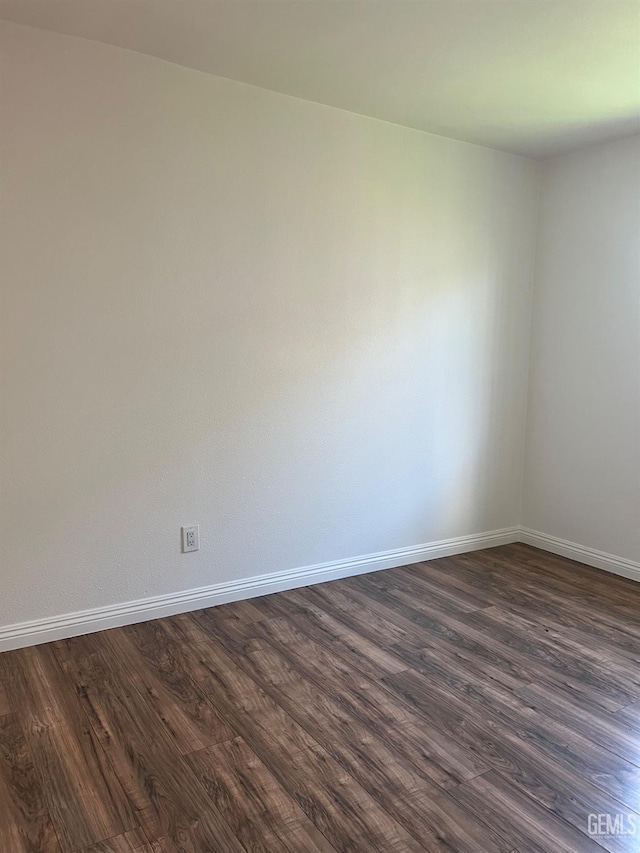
(535, 77)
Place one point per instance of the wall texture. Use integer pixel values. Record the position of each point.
(304, 329)
(582, 479)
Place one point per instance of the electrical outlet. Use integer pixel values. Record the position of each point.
(190, 538)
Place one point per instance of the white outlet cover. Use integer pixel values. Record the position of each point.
(190, 538)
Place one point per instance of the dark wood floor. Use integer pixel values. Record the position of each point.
(483, 703)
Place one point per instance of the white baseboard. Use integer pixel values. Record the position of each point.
(100, 618)
(590, 556)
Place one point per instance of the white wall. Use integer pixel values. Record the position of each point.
(304, 329)
(582, 479)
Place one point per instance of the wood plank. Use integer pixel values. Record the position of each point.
(542, 774)
(457, 574)
(262, 815)
(629, 716)
(593, 667)
(235, 635)
(357, 612)
(519, 819)
(252, 713)
(5, 707)
(483, 702)
(516, 650)
(161, 845)
(495, 625)
(304, 695)
(417, 754)
(83, 795)
(401, 786)
(11, 836)
(285, 633)
(463, 654)
(424, 586)
(601, 728)
(342, 811)
(418, 588)
(590, 587)
(178, 705)
(366, 698)
(548, 608)
(25, 823)
(572, 610)
(359, 652)
(439, 755)
(612, 588)
(131, 842)
(473, 722)
(340, 808)
(619, 781)
(244, 612)
(171, 801)
(512, 581)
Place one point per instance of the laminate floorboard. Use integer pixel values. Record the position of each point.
(5, 708)
(484, 703)
(25, 823)
(82, 794)
(129, 842)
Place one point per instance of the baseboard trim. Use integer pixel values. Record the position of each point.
(590, 556)
(38, 631)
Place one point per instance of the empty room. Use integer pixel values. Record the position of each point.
(319, 426)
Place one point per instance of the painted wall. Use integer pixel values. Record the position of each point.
(303, 329)
(583, 448)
